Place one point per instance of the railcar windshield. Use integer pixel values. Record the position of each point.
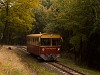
(56, 41)
(45, 41)
(50, 41)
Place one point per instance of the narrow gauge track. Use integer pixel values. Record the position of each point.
(23, 48)
(65, 70)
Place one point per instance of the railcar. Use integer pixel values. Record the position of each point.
(46, 46)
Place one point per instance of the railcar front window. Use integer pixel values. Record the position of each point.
(55, 42)
(45, 42)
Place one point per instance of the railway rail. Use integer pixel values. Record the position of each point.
(65, 70)
(62, 68)
(23, 48)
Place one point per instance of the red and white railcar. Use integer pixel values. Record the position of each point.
(47, 46)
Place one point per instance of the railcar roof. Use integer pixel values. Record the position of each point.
(34, 35)
(45, 35)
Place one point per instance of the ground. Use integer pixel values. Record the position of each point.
(15, 62)
(10, 63)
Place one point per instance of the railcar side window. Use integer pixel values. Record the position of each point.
(35, 41)
(31, 41)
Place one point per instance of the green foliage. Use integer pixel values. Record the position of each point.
(17, 18)
(75, 40)
(77, 21)
(42, 17)
(21, 15)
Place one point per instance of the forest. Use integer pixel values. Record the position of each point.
(77, 21)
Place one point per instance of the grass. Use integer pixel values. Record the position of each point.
(80, 68)
(7, 70)
(10, 63)
(34, 65)
(15, 62)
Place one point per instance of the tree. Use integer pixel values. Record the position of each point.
(17, 18)
(41, 16)
(76, 20)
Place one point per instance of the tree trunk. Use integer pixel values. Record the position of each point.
(80, 51)
(74, 54)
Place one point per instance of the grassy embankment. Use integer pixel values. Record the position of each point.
(15, 62)
(80, 68)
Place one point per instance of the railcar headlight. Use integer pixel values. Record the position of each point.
(42, 49)
(58, 49)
